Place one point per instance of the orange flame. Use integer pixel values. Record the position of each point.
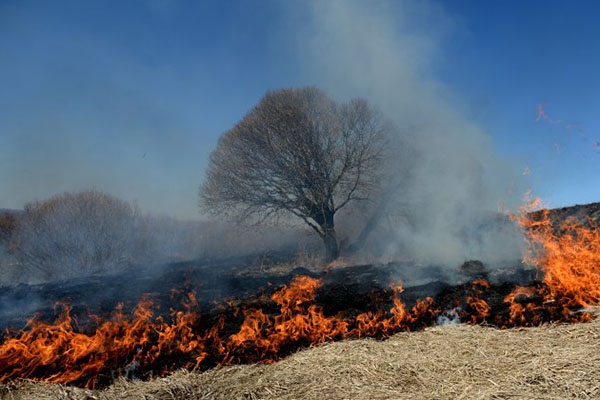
(58, 353)
(567, 253)
(480, 307)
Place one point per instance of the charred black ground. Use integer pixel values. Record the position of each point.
(226, 288)
(350, 290)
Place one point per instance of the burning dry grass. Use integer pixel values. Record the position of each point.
(550, 362)
(450, 362)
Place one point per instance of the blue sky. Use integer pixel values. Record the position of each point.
(517, 54)
(131, 97)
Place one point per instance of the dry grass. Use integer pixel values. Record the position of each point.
(451, 362)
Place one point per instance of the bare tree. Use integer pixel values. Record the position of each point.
(297, 152)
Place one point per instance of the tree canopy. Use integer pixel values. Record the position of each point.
(297, 152)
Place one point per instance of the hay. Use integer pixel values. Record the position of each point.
(450, 362)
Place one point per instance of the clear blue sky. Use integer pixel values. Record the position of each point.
(130, 97)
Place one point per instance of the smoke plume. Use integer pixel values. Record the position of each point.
(446, 183)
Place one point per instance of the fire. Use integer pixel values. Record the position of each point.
(61, 354)
(567, 253)
(262, 338)
(376, 324)
(476, 303)
(146, 344)
(523, 308)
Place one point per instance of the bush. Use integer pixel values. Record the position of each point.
(72, 234)
(8, 224)
(78, 234)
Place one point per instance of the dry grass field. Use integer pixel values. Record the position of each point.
(447, 362)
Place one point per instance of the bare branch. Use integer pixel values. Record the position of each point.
(296, 152)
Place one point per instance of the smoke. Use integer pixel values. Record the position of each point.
(90, 233)
(448, 180)
(122, 109)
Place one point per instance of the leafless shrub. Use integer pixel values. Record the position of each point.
(78, 234)
(73, 234)
(8, 225)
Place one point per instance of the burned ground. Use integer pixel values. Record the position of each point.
(356, 288)
(345, 298)
(242, 311)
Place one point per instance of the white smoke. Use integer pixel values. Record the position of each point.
(448, 177)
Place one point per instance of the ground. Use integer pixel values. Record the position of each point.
(445, 362)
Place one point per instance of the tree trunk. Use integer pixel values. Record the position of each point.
(332, 250)
(323, 216)
(331, 246)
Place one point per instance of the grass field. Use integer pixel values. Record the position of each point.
(447, 362)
